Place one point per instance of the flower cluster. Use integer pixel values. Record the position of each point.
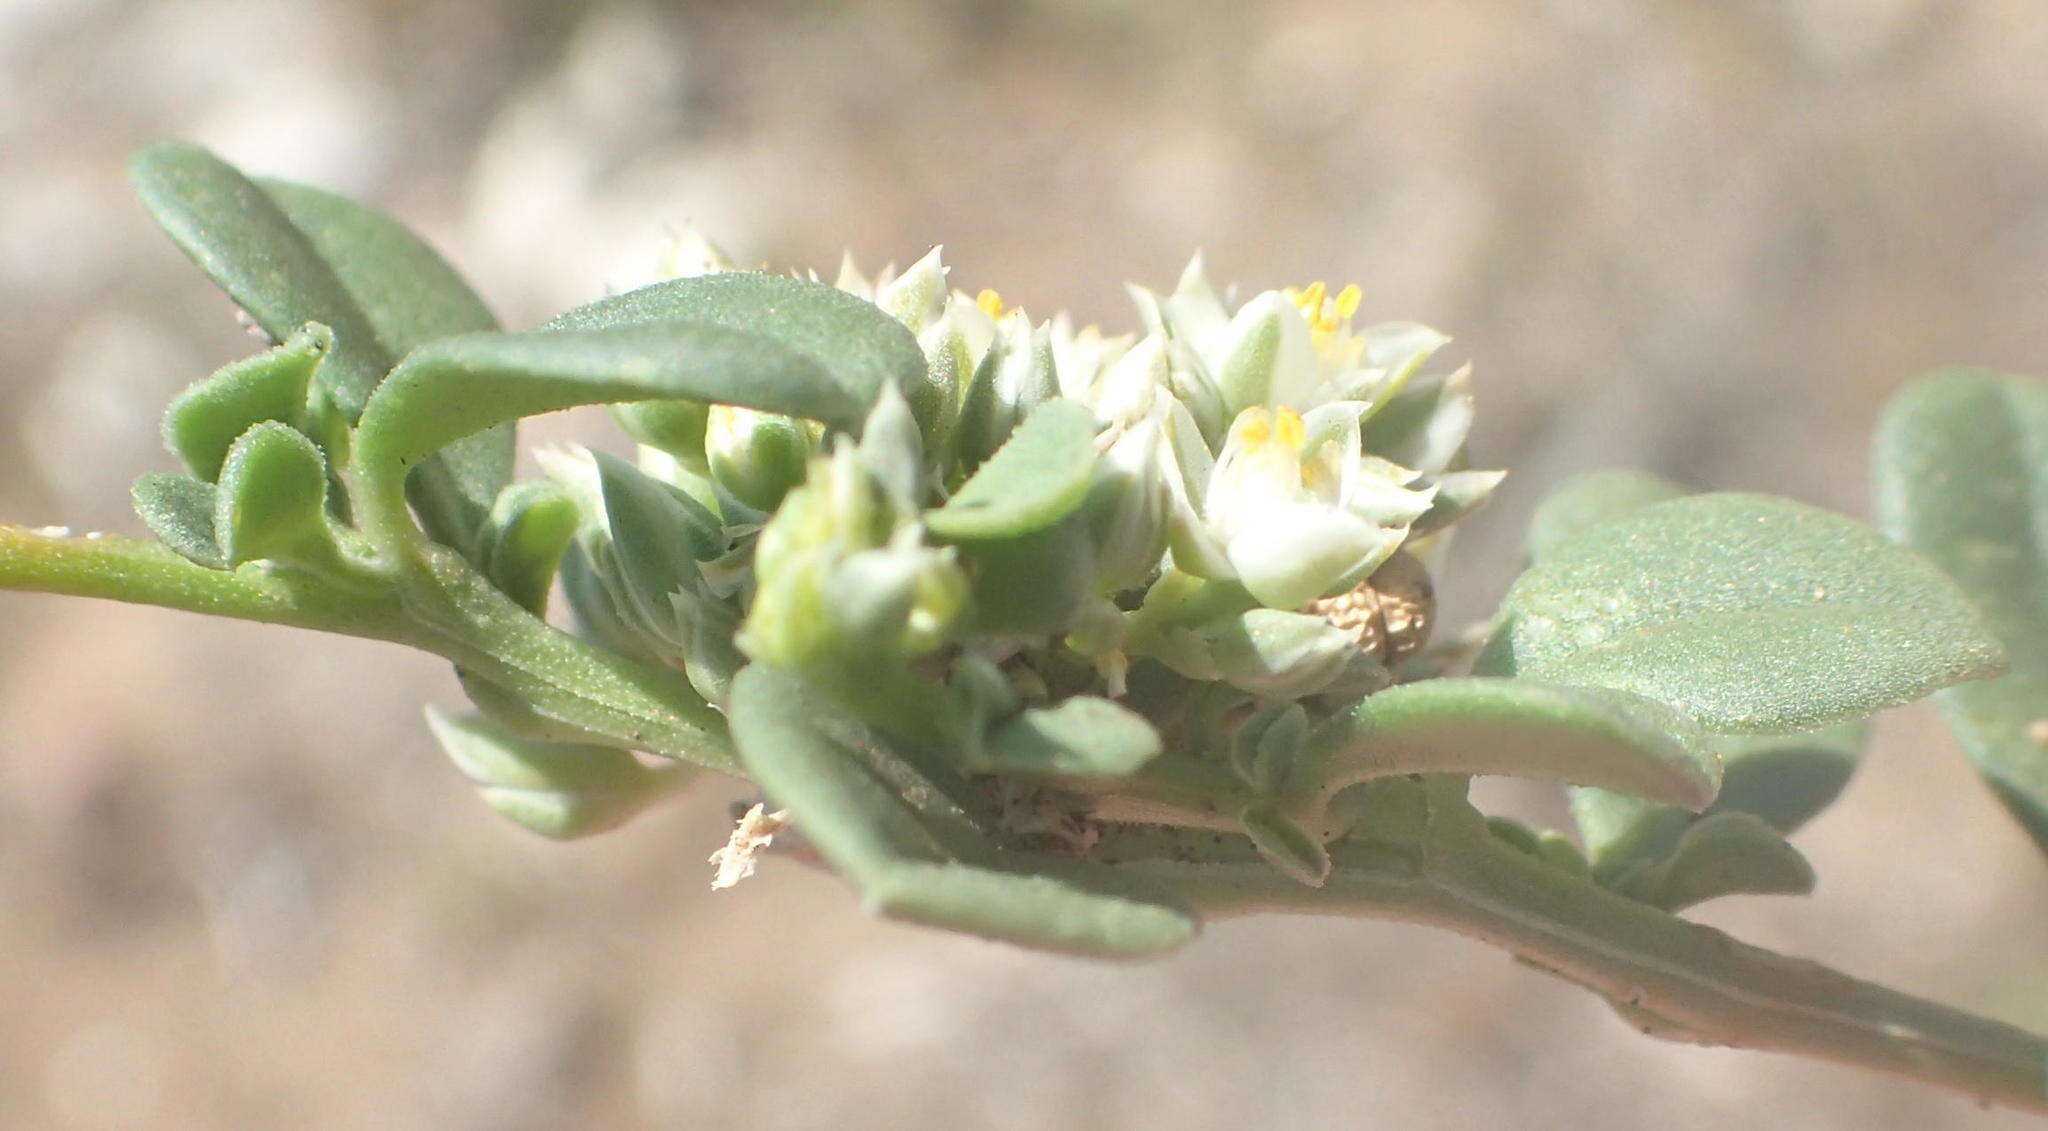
(1248, 470)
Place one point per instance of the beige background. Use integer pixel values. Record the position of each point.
(239, 888)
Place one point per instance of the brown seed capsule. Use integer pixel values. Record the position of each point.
(1389, 614)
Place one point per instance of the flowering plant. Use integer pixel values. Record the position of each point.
(1077, 640)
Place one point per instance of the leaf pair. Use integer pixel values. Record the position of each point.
(291, 255)
(270, 502)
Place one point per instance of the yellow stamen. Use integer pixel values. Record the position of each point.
(1254, 428)
(1326, 315)
(990, 303)
(1288, 429)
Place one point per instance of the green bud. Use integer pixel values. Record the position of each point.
(916, 298)
(1016, 375)
(675, 427)
(758, 456)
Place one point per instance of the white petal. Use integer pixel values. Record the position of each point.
(1290, 555)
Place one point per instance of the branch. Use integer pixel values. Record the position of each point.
(442, 607)
(1668, 977)
(145, 573)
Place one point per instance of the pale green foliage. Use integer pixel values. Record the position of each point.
(1074, 640)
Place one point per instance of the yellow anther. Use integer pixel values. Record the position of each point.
(1287, 428)
(1325, 315)
(1253, 428)
(990, 303)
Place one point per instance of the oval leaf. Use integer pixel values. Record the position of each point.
(1084, 736)
(251, 249)
(178, 509)
(1725, 854)
(1034, 480)
(1753, 614)
(1961, 471)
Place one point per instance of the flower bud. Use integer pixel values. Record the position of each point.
(757, 456)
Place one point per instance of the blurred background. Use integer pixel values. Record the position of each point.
(239, 887)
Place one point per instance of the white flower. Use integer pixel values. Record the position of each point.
(1292, 508)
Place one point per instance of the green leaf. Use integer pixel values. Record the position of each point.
(1753, 614)
(893, 836)
(558, 790)
(1591, 499)
(1084, 736)
(204, 420)
(179, 511)
(841, 342)
(658, 536)
(1586, 736)
(410, 296)
(1782, 779)
(1962, 476)
(407, 291)
(242, 240)
(1725, 854)
(1285, 845)
(1034, 480)
(675, 427)
(272, 501)
(1031, 585)
(455, 387)
(531, 527)
(597, 614)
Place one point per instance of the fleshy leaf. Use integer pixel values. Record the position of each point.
(272, 500)
(206, 419)
(531, 527)
(178, 509)
(1753, 614)
(1962, 476)
(844, 345)
(1725, 854)
(1285, 845)
(559, 790)
(1586, 736)
(1034, 480)
(410, 296)
(459, 386)
(240, 237)
(1030, 585)
(1782, 779)
(844, 786)
(1084, 736)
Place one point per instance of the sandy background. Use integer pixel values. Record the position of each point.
(239, 887)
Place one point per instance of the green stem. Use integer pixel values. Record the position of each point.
(1671, 978)
(141, 572)
(439, 605)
